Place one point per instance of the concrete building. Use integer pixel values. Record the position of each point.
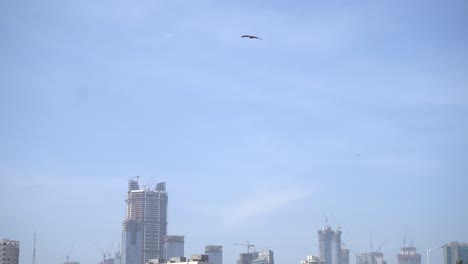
(174, 246)
(344, 254)
(196, 259)
(311, 259)
(145, 225)
(71, 262)
(256, 257)
(455, 251)
(215, 254)
(370, 258)
(330, 245)
(408, 255)
(9, 251)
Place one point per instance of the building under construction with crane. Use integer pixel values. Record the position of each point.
(255, 257)
(331, 250)
(145, 225)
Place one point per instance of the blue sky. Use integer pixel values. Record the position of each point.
(252, 137)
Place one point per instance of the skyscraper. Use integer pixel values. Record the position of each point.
(330, 245)
(408, 255)
(9, 251)
(145, 226)
(215, 254)
(174, 246)
(455, 251)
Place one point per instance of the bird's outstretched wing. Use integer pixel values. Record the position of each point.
(251, 37)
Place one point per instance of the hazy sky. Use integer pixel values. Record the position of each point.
(252, 137)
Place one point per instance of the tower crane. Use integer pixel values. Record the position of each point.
(67, 256)
(247, 244)
(381, 245)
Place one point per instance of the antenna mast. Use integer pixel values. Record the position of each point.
(34, 250)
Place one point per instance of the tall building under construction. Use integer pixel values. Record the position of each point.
(330, 246)
(145, 225)
(408, 255)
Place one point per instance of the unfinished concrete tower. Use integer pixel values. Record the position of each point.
(145, 225)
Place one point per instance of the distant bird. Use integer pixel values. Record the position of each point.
(357, 154)
(250, 37)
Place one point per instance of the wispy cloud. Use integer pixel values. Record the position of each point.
(262, 203)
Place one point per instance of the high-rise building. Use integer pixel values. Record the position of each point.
(455, 251)
(215, 254)
(370, 258)
(408, 255)
(145, 225)
(9, 251)
(174, 246)
(256, 257)
(330, 245)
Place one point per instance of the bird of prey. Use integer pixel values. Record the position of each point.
(250, 37)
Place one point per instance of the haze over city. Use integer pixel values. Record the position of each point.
(353, 111)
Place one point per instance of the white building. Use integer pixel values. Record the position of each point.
(311, 259)
(256, 257)
(196, 259)
(370, 258)
(9, 251)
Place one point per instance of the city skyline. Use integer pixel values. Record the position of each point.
(357, 108)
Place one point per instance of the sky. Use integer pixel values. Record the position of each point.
(356, 111)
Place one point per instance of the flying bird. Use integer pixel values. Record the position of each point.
(250, 37)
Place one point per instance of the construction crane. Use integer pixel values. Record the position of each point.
(247, 244)
(67, 256)
(381, 245)
(324, 217)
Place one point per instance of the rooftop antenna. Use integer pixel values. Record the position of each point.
(370, 235)
(34, 250)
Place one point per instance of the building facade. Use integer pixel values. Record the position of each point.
(330, 245)
(195, 259)
(370, 258)
(215, 254)
(9, 251)
(408, 255)
(174, 246)
(145, 225)
(311, 259)
(257, 257)
(344, 254)
(455, 251)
